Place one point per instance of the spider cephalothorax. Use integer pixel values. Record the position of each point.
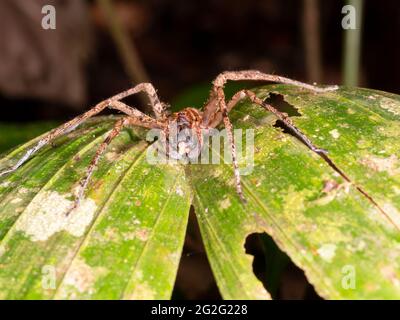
(185, 134)
(187, 127)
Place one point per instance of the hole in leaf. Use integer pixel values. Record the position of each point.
(278, 101)
(279, 275)
(285, 129)
(195, 279)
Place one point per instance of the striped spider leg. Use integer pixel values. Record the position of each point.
(214, 112)
(133, 117)
(216, 109)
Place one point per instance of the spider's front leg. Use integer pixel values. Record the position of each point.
(93, 163)
(223, 115)
(280, 115)
(159, 109)
(221, 104)
(255, 75)
(216, 108)
(211, 107)
(131, 120)
(55, 133)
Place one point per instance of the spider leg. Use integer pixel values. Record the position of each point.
(280, 115)
(211, 108)
(136, 117)
(93, 163)
(119, 125)
(159, 108)
(53, 134)
(69, 126)
(223, 115)
(255, 75)
(229, 129)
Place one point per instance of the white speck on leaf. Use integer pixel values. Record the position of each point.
(390, 273)
(2, 250)
(111, 156)
(15, 200)
(396, 190)
(179, 191)
(5, 184)
(142, 234)
(393, 213)
(327, 251)
(388, 164)
(46, 215)
(79, 276)
(23, 190)
(390, 105)
(334, 133)
(225, 204)
(79, 279)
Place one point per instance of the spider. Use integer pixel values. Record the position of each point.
(214, 112)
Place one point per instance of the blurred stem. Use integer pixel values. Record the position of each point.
(311, 37)
(126, 48)
(352, 46)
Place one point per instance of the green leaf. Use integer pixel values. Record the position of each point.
(346, 245)
(126, 240)
(12, 134)
(338, 218)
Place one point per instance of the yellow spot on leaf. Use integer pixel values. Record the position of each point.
(2, 250)
(15, 200)
(393, 213)
(142, 291)
(225, 204)
(390, 164)
(111, 156)
(79, 279)
(389, 273)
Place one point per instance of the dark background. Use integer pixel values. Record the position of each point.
(181, 45)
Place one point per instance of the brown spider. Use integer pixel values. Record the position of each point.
(214, 112)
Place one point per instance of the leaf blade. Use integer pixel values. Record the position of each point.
(75, 248)
(286, 199)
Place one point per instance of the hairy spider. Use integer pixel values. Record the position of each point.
(213, 113)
